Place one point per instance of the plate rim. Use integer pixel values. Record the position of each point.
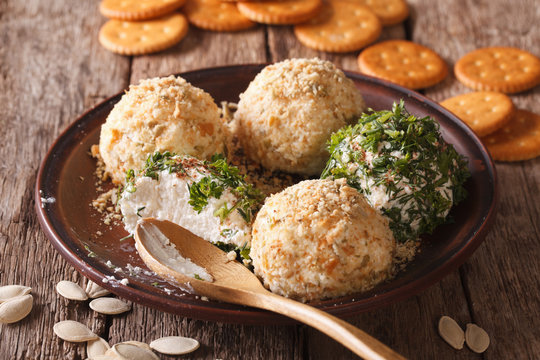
(247, 315)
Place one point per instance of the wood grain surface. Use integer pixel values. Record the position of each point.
(52, 69)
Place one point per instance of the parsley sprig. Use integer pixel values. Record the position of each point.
(218, 177)
(224, 176)
(406, 156)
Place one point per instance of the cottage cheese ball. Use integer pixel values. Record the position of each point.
(289, 110)
(320, 239)
(160, 114)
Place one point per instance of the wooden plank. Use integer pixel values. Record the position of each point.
(505, 300)
(198, 50)
(51, 69)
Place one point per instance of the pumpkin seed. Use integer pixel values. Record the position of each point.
(16, 308)
(93, 290)
(174, 345)
(10, 291)
(103, 357)
(451, 332)
(109, 306)
(477, 338)
(96, 347)
(73, 331)
(111, 352)
(132, 352)
(138, 343)
(71, 291)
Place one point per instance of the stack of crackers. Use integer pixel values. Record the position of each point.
(144, 26)
(510, 134)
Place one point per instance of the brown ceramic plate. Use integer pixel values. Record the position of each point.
(77, 231)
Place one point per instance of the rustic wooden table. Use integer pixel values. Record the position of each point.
(52, 68)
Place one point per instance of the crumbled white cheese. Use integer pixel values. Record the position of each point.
(168, 291)
(231, 255)
(46, 200)
(108, 278)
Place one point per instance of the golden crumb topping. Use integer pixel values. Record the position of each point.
(320, 239)
(289, 110)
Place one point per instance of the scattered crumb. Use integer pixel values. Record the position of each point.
(247, 262)
(231, 255)
(133, 270)
(46, 200)
(108, 279)
(405, 253)
(168, 291)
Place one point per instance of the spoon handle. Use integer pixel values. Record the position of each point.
(348, 335)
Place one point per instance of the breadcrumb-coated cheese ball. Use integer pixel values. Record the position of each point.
(321, 239)
(160, 114)
(288, 112)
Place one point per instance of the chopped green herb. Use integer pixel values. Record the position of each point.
(139, 210)
(159, 162)
(90, 252)
(228, 233)
(223, 176)
(126, 237)
(156, 284)
(130, 175)
(201, 191)
(196, 276)
(406, 156)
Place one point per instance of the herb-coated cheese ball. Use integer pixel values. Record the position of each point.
(289, 110)
(320, 239)
(403, 166)
(160, 114)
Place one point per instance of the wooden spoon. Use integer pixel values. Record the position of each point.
(234, 283)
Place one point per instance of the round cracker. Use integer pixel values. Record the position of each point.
(143, 37)
(403, 62)
(280, 12)
(216, 15)
(389, 12)
(518, 140)
(484, 111)
(135, 10)
(504, 69)
(340, 26)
